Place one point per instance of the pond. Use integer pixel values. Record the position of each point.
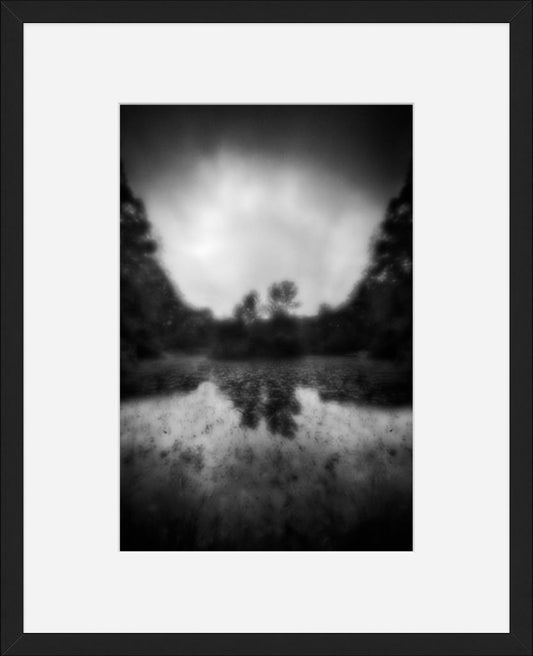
(312, 453)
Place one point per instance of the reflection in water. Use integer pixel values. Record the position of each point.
(271, 397)
(266, 388)
(206, 463)
(280, 408)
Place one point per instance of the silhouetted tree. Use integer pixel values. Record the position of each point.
(247, 310)
(153, 317)
(282, 297)
(147, 299)
(382, 301)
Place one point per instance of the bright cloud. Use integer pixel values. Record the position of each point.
(233, 222)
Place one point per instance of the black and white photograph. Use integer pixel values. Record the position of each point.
(266, 329)
(266, 310)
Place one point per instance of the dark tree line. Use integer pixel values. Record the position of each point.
(153, 316)
(376, 318)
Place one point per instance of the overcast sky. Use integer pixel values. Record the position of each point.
(240, 197)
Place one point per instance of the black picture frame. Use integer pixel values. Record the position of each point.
(518, 15)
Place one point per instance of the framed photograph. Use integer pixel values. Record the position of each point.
(265, 395)
(266, 327)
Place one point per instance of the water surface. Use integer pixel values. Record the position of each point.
(310, 453)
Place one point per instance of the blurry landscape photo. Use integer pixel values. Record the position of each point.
(266, 327)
